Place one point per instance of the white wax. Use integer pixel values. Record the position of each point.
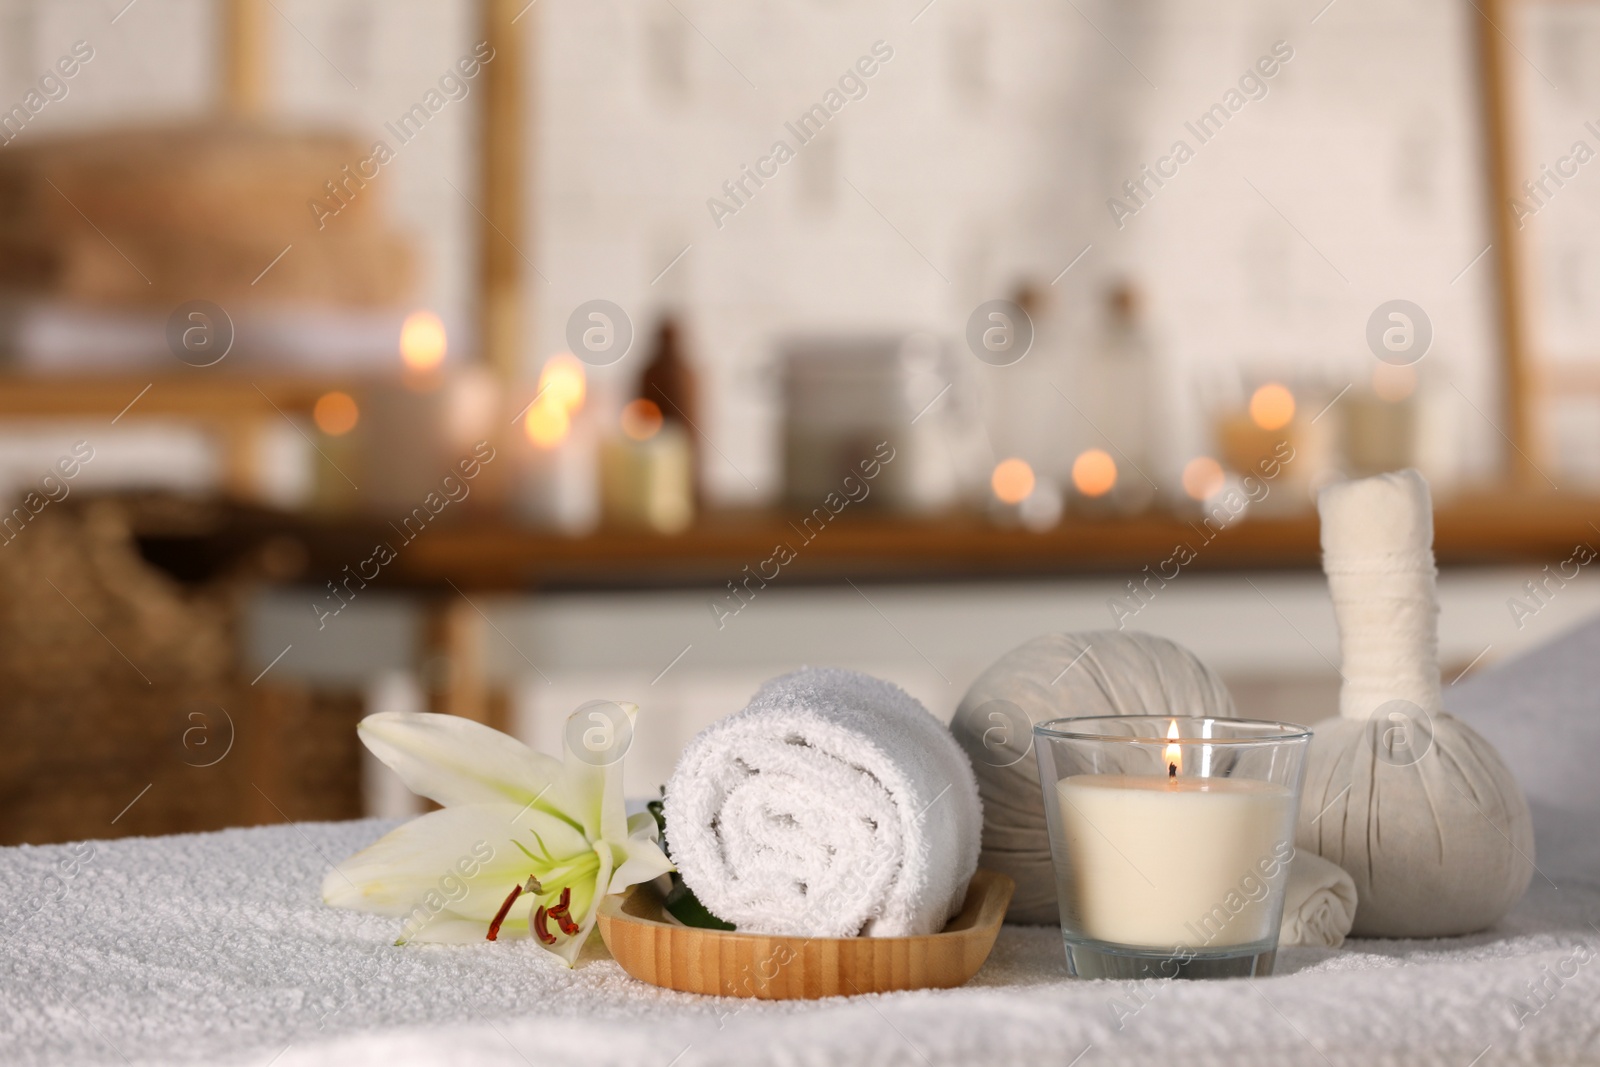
(1163, 862)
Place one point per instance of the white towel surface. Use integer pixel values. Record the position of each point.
(214, 949)
(833, 805)
(1319, 903)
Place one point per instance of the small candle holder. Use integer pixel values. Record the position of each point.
(1172, 839)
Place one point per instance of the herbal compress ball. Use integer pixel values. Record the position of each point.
(1418, 808)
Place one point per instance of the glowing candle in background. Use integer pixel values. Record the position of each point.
(1272, 452)
(558, 467)
(423, 345)
(1012, 481)
(1022, 496)
(335, 413)
(547, 424)
(1094, 473)
(1202, 477)
(1272, 406)
(564, 382)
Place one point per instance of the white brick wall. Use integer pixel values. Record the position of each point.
(990, 142)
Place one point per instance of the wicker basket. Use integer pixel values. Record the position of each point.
(121, 707)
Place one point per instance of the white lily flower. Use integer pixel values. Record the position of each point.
(512, 817)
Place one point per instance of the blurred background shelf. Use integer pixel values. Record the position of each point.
(196, 541)
(195, 394)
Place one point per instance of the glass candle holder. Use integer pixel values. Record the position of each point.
(1171, 839)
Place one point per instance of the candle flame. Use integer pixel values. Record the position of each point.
(422, 341)
(547, 423)
(1174, 751)
(562, 379)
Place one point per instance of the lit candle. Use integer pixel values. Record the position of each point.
(1162, 861)
(559, 471)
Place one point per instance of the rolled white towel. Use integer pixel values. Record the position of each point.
(833, 805)
(1319, 903)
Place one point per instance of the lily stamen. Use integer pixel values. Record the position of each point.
(505, 908)
(539, 929)
(562, 913)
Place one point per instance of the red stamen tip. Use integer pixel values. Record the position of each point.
(539, 930)
(562, 912)
(500, 916)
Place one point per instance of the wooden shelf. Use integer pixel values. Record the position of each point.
(193, 393)
(487, 553)
(870, 548)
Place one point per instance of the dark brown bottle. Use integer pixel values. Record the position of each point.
(669, 380)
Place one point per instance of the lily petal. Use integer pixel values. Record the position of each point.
(641, 860)
(463, 860)
(592, 793)
(453, 760)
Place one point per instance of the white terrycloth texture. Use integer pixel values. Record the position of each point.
(1319, 903)
(214, 949)
(1095, 672)
(1410, 801)
(833, 805)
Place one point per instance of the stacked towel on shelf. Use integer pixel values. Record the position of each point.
(833, 805)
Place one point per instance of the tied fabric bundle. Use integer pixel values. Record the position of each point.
(834, 805)
(1414, 804)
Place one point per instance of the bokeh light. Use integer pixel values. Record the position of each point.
(563, 381)
(422, 341)
(1012, 481)
(1272, 406)
(1393, 383)
(547, 422)
(1202, 477)
(335, 413)
(1094, 472)
(641, 419)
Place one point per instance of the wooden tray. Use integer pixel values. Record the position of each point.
(731, 964)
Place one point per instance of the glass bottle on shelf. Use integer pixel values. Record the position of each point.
(648, 469)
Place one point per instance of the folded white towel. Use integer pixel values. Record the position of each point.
(1319, 903)
(833, 805)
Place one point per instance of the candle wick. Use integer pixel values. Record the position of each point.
(1172, 770)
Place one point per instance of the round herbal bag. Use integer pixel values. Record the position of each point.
(1423, 815)
(1411, 802)
(1097, 672)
